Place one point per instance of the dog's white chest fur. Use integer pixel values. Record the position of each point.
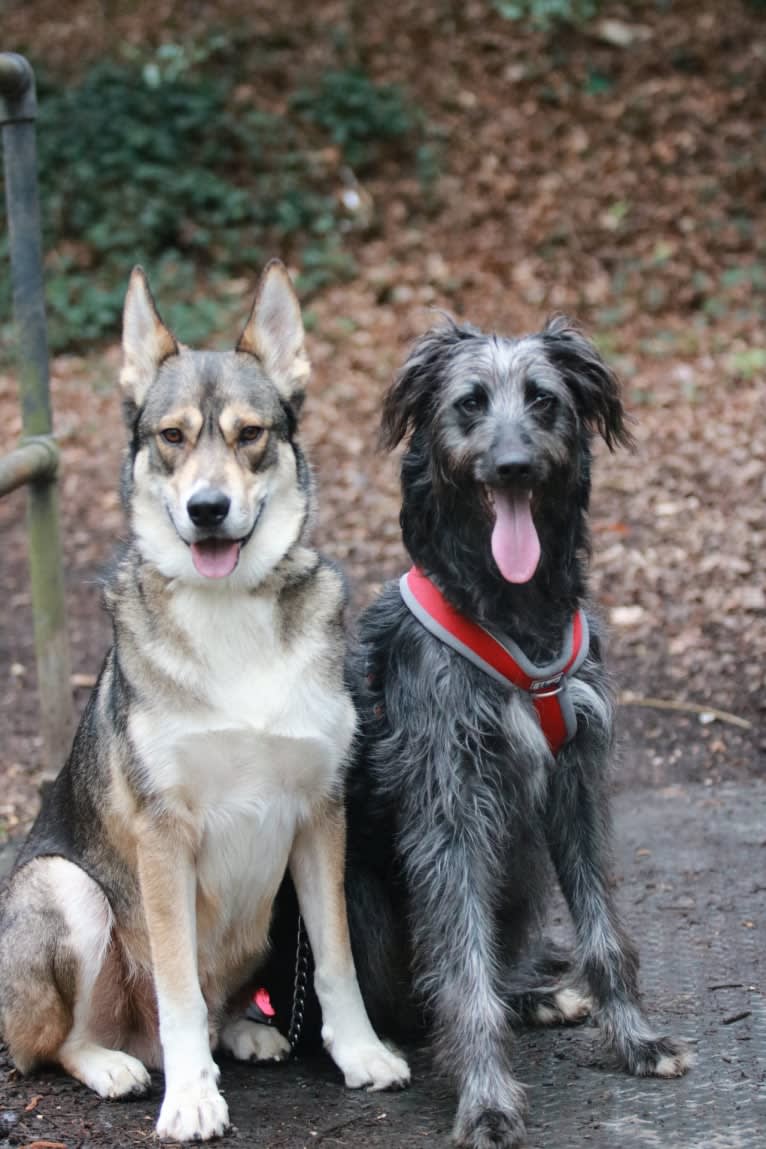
(250, 740)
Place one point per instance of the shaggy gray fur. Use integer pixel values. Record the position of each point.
(456, 805)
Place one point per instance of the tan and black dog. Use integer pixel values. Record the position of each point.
(211, 754)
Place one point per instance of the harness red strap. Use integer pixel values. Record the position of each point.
(505, 661)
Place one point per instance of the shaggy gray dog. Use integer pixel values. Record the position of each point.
(456, 802)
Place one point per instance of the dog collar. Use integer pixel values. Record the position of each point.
(505, 661)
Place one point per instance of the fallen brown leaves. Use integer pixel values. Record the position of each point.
(43, 1145)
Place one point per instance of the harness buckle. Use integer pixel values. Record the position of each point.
(547, 687)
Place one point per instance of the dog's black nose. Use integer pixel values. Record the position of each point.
(514, 467)
(208, 508)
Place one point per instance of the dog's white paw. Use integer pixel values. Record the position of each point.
(674, 1065)
(109, 1072)
(573, 1004)
(250, 1041)
(371, 1064)
(193, 1113)
(566, 1006)
(671, 1058)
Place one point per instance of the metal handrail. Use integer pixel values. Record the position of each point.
(35, 461)
(15, 74)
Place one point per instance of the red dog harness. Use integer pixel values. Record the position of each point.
(505, 661)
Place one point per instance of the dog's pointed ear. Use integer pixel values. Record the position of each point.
(593, 384)
(146, 341)
(409, 399)
(274, 332)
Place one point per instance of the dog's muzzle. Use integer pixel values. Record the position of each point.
(216, 556)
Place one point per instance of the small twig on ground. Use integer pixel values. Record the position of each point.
(736, 1017)
(357, 1119)
(727, 985)
(627, 698)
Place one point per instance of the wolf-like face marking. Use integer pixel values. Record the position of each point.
(213, 449)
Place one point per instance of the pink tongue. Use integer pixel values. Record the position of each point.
(215, 558)
(515, 545)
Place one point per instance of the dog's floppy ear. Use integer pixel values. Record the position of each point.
(146, 341)
(274, 332)
(594, 385)
(408, 400)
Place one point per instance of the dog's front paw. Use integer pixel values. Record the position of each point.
(659, 1057)
(494, 1121)
(251, 1041)
(489, 1129)
(370, 1064)
(193, 1113)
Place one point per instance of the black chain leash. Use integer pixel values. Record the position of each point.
(300, 983)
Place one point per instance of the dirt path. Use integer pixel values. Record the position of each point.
(690, 869)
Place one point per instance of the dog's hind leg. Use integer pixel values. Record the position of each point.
(378, 939)
(56, 932)
(578, 834)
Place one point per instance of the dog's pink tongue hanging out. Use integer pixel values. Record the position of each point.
(215, 558)
(515, 545)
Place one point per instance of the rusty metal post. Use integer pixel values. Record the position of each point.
(18, 109)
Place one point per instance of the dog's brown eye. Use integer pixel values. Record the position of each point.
(544, 399)
(473, 403)
(250, 434)
(538, 397)
(173, 435)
